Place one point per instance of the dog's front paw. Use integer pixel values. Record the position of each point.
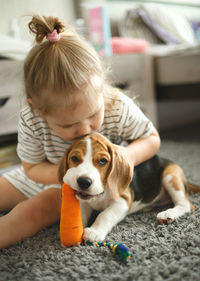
(166, 216)
(93, 235)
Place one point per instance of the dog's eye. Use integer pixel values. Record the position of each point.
(102, 161)
(74, 159)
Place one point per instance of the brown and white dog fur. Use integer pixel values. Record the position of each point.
(103, 181)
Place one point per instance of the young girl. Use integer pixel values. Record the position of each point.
(67, 97)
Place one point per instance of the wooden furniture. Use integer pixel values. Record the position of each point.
(172, 85)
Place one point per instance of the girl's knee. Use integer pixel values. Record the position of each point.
(30, 218)
(29, 212)
(38, 212)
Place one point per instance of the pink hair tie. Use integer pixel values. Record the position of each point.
(53, 36)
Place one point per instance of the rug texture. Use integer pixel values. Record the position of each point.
(159, 252)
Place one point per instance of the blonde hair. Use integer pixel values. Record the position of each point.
(62, 68)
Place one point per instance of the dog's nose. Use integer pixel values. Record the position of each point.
(84, 182)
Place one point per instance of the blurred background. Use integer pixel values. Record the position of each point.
(152, 49)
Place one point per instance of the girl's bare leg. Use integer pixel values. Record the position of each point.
(30, 216)
(9, 195)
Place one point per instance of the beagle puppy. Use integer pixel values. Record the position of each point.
(103, 180)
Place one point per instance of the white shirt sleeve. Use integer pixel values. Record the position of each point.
(136, 124)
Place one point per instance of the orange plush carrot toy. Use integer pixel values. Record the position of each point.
(71, 227)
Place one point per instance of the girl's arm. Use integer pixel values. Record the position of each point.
(142, 149)
(137, 152)
(44, 172)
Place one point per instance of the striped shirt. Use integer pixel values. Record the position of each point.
(37, 142)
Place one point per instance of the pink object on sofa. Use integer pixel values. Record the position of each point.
(122, 45)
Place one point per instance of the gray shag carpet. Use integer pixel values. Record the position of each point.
(160, 252)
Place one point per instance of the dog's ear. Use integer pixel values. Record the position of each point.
(63, 166)
(120, 174)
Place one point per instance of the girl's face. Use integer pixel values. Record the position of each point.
(87, 116)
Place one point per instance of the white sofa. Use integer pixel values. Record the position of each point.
(164, 70)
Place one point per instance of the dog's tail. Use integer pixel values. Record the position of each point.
(193, 187)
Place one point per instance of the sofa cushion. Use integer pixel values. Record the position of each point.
(169, 26)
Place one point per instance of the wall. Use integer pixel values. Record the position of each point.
(19, 10)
